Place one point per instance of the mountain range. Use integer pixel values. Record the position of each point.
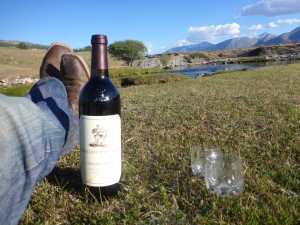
(241, 42)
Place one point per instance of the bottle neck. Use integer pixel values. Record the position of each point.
(99, 64)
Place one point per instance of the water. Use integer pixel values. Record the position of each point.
(198, 71)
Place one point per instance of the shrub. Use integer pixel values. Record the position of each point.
(22, 45)
(198, 55)
(258, 51)
(148, 79)
(165, 59)
(125, 82)
(188, 58)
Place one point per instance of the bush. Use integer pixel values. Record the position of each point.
(198, 55)
(125, 82)
(258, 51)
(188, 58)
(22, 45)
(148, 79)
(165, 59)
(129, 71)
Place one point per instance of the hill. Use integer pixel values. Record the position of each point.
(4, 43)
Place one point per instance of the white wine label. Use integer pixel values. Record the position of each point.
(100, 150)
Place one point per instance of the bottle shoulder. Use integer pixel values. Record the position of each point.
(99, 89)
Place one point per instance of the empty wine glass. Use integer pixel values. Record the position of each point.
(197, 162)
(224, 174)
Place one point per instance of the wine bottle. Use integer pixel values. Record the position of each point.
(100, 122)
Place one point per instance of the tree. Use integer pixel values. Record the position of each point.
(84, 49)
(128, 50)
(22, 45)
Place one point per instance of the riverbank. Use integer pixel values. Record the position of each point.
(283, 52)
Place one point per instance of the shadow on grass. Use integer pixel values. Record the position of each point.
(69, 179)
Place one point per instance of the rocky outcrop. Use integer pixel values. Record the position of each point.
(14, 81)
(289, 51)
(155, 62)
(147, 63)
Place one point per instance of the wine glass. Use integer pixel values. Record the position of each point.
(224, 174)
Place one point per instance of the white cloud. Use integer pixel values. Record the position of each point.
(288, 21)
(211, 33)
(272, 25)
(256, 27)
(182, 42)
(284, 21)
(271, 8)
(149, 47)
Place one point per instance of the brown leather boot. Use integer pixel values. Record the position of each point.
(50, 66)
(74, 74)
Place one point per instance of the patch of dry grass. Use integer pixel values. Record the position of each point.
(18, 62)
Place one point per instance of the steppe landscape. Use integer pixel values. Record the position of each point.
(16, 62)
(254, 114)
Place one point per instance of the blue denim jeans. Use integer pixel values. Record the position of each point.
(35, 131)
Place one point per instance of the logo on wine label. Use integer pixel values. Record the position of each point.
(99, 133)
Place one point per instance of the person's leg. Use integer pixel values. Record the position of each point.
(35, 130)
(50, 95)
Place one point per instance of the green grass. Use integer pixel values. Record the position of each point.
(123, 77)
(255, 114)
(16, 90)
(148, 79)
(130, 71)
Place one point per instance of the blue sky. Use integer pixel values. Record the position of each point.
(159, 24)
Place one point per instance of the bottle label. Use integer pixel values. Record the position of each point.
(100, 150)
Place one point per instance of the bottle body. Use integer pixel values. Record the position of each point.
(100, 127)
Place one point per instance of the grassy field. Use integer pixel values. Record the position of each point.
(255, 114)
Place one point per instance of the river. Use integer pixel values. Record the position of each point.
(198, 71)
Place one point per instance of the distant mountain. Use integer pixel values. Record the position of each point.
(263, 38)
(292, 36)
(191, 48)
(242, 42)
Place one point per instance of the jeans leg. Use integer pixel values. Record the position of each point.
(35, 130)
(50, 95)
